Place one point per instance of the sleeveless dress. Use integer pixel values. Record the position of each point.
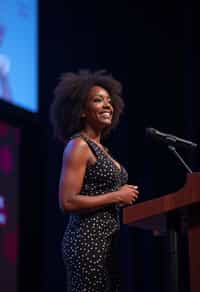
(90, 245)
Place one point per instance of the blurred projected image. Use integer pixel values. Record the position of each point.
(18, 53)
(9, 142)
(4, 70)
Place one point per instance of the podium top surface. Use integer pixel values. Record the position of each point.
(188, 195)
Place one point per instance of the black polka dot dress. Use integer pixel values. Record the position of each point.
(90, 242)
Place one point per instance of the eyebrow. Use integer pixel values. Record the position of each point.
(99, 94)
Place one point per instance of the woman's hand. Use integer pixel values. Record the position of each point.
(127, 194)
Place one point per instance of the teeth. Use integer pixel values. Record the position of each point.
(106, 115)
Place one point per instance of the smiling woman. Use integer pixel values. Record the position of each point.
(98, 109)
(71, 95)
(92, 184)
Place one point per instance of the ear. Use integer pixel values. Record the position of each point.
(83, 115)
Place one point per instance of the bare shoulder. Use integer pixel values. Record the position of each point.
(76, 150)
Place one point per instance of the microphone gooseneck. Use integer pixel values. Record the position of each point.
(169, 139)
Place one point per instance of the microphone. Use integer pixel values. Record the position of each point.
(169, 139)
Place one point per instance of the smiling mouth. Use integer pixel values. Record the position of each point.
(106, 115)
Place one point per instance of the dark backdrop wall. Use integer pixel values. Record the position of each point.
(148, 46)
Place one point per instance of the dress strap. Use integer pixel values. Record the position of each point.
(92, 145)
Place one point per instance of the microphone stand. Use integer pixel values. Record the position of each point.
(173, 150)
(176, 227)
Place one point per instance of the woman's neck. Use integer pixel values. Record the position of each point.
(92, 134)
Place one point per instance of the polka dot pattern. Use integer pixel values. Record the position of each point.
(90, 241)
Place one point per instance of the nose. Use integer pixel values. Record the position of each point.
(107, 104)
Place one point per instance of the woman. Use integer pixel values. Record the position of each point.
(92, 184)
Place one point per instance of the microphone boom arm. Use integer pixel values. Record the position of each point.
(173, 150)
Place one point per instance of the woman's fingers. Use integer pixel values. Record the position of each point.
(133, 186)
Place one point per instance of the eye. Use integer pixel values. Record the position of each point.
(97, 99)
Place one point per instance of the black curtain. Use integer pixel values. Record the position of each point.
(148, 45)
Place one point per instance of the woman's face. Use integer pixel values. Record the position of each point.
(98, 109)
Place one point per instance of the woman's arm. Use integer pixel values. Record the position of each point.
(75, 159)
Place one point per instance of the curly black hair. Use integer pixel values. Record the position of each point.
(70, 96)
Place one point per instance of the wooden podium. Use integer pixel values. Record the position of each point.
(153, 214)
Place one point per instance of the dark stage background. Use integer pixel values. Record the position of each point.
(152, 48)
(149, 46)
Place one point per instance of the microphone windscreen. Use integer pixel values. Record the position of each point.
(150, 131)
